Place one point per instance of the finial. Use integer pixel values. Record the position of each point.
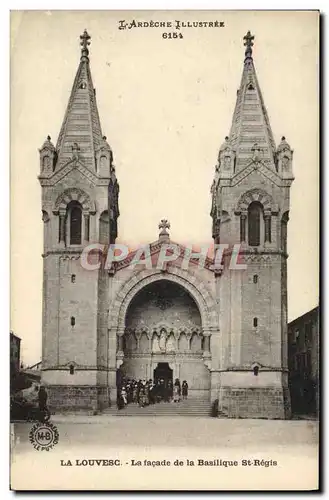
(248, 43)
(85, 41)
(283, 146)
(48, 144)
(225, 144)
(163, 226)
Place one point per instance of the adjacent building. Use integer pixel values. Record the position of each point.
(304, 358)
(15, 353)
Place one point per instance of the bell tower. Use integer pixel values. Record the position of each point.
(78, 183)
(250, 207)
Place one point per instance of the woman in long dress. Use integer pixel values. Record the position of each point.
(184, 389)
(135, 392)
(176, 393)
(177, 389)
(142, 397)
(124, 396)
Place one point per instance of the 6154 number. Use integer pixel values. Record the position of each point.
(172, 35)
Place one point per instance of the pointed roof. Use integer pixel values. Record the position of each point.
(250, 124)
(81, 133)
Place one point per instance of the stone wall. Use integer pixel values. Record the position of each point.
(254, 402)
(77, 397)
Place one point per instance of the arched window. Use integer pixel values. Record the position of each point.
(74, 216)
(254, 221)
(46, 161)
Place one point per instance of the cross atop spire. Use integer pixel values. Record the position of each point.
(85, 41)
(248, 43)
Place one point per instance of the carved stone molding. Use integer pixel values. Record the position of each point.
(258, 195)
(157, 330)
(196, 288)
(159, 339)
(155, 247)
(69, 257)
(74, 194)
(64, 168)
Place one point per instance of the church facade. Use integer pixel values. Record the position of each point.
(222, 329)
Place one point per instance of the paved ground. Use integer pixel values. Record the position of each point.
(291, 444)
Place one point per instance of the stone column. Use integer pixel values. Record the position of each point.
(207, 356)
(120, 334)
(149, 370)
(177, 335)
(87, 226)
(62, 226)
(267, 223)
(112, 365)
(243, 218)
(206, 345)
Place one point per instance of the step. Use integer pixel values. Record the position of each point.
(195, 407)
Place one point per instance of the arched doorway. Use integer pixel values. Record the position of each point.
(163, 337)
(163, 372)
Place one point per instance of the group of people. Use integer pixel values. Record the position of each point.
(146, 392)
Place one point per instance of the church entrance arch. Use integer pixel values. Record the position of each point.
(163, 337)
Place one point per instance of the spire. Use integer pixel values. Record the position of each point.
(250, 135)
(81, 135)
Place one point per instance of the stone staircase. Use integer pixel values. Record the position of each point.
(192, 407)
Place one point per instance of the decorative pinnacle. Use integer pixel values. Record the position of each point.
(85, 41)
(163, 226)
(248, 43)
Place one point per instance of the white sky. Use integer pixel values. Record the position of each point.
(165, 107)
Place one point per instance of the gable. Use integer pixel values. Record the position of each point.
(261, 170)
(182, 259)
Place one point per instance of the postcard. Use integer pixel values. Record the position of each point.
(164, 202)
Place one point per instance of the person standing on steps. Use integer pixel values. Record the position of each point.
(124, 395)
(184, 389)
(170, 390)
(177, 391)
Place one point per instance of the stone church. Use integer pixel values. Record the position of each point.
(223, 330)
